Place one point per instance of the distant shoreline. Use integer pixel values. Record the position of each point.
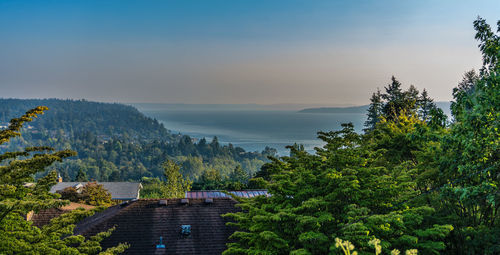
(362, 109)
(353, 109)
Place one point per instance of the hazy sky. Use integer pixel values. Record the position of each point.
(235, 51)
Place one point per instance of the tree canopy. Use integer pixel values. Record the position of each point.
(20, 195)
(411, 182)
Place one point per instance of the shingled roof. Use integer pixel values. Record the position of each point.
(43, 217)
(141, 223)
(118, 190)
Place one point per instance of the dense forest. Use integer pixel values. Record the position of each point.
(115, 142)
(412, 182)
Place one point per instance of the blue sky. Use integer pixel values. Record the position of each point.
(235, 51)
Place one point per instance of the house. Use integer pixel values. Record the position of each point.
(165, 226)
(118, 190)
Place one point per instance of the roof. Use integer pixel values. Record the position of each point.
(73, 206)
(118, 190)
(218, 193)
(141, 223)
(43, 217)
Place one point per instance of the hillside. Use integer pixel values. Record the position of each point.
(104, 120)
(116, 142)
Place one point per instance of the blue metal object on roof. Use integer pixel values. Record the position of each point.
(185, 230)
(160, 245)
(218, 193)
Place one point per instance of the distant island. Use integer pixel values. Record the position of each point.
(353, 109)
(362, 109)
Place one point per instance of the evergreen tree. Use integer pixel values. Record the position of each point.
(81, 176)
(468, 82)
(397, 101)
(19, 195)
(374, 111)
(394, 98)
(426, 105)
(471, 158)
(239, 175)
(345, 190)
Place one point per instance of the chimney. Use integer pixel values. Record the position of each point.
(59, 178)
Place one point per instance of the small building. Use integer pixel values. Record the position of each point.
(118, 190)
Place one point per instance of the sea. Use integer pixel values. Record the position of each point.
(251, 127)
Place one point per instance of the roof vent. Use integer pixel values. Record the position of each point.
(184, 201)
(160, 245)
(209, 200)
(162, 202)
(185, 230)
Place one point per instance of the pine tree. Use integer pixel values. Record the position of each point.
(426, 104)
(374, 111)
(81, 176)
(239, 175)
(394, 97)
(20, 194)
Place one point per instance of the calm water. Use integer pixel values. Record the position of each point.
(253, 130)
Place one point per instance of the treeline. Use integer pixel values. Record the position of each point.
(413, 180)
(116, 142)
(73, 117)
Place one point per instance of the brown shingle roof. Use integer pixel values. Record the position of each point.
(43, 217)
(141, 223)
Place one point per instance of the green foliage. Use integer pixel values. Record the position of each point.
(15, 196)
(374, 111)
(95, 194)
(91, 194)
(116, 142)
(409, 183)
(348, 248)
(470, 167)
(395, 102)
(81, 176)
(19, 195)
(54, 238)
(343, 190)
(71, 194)
(175, 185)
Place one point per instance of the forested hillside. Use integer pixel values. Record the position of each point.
(116, 142)
(74, 117)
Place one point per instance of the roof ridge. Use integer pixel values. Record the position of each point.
(89, 223)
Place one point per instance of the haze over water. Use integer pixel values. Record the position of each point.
(251, 129)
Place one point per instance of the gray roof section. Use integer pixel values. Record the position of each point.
(118, 190)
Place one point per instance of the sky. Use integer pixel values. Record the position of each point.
(235, 51)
